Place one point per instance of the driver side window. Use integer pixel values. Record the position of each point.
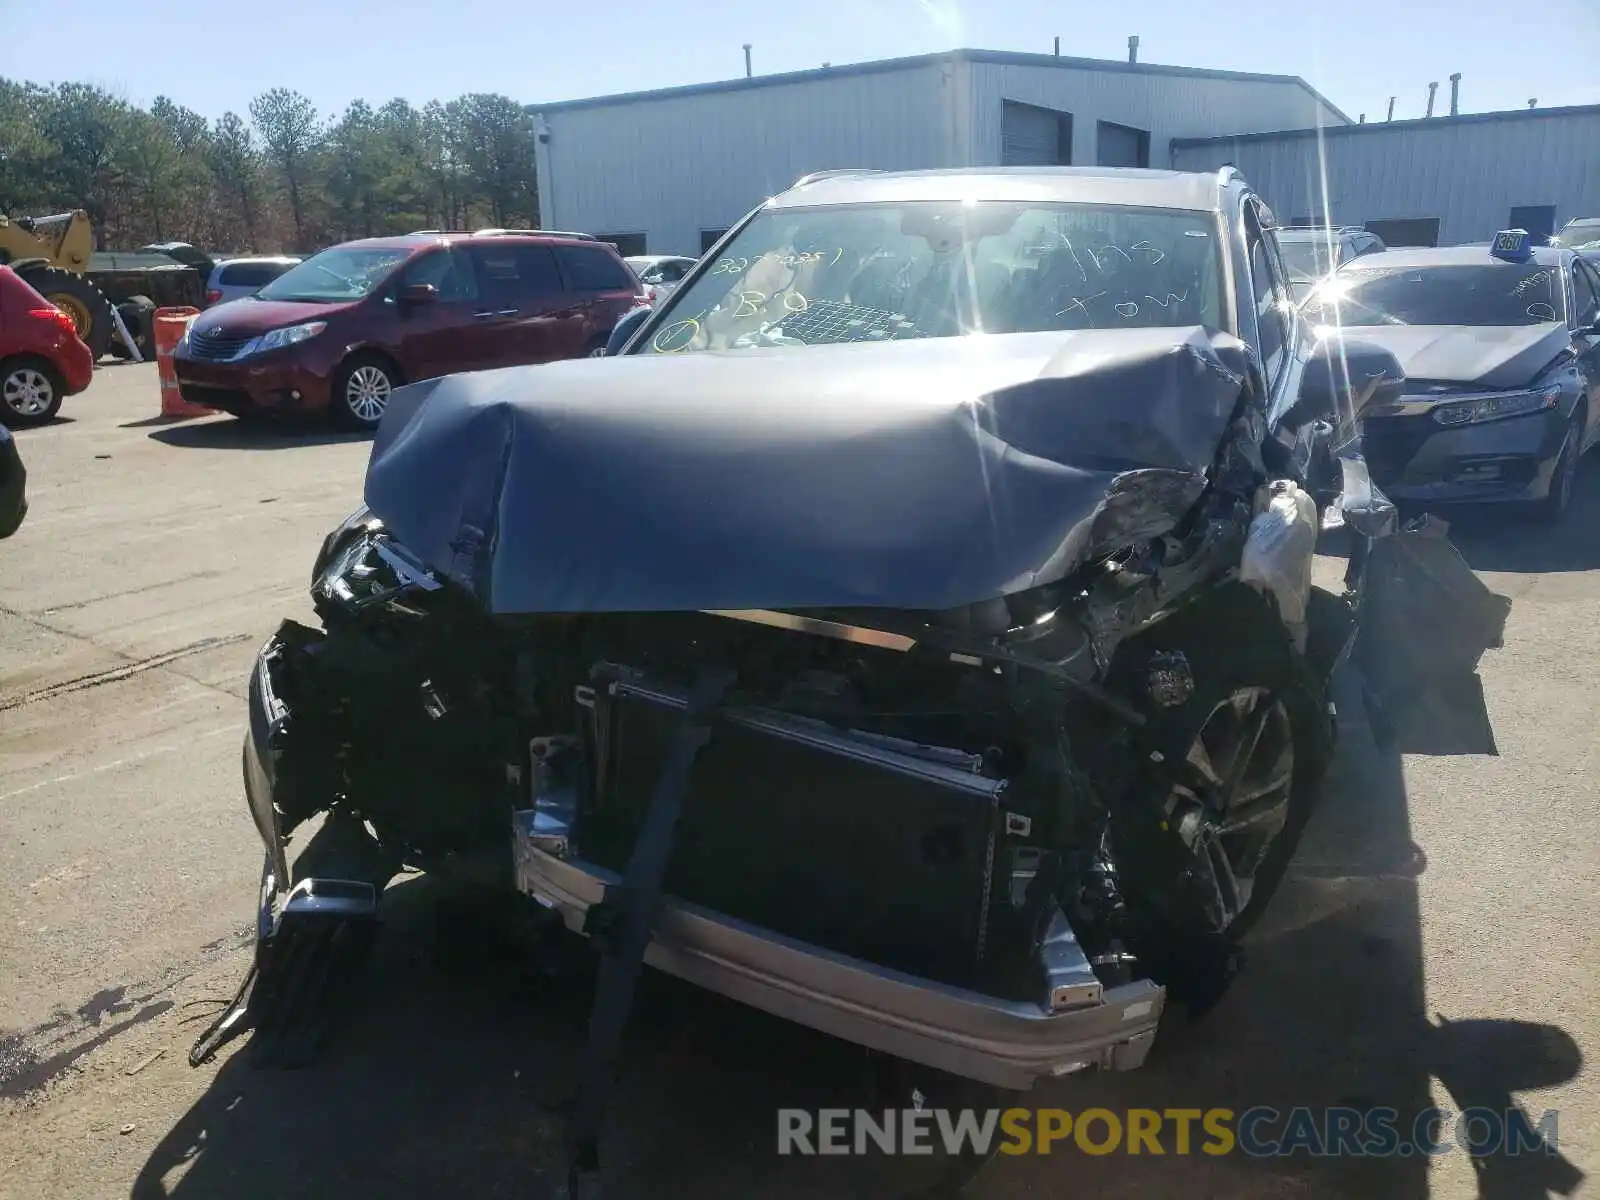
(448, 271)
(1271, 303)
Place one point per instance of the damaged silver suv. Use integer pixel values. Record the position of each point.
(908, 632)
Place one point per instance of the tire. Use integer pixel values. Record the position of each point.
(1552, 510)
(30, 392)
(361, 390)
(138, 314)
(1186, 943)
(79, 299)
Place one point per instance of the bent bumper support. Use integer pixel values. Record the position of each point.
(1010, 1044)
(627, 917)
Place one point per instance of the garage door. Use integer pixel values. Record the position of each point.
(1121, 146)
(1031, 137)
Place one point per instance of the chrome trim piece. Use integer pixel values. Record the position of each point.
(834, 629)
(1001, 1042)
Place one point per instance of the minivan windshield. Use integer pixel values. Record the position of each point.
(336, 275)
(1499, 294)
(893, 272)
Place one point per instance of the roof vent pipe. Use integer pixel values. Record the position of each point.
(1533, 101)
(1362, 119)
(747, 71)
(1390, 117)
(1432, 88)
(1058, 47)
(1455, 94)
(1133, 48)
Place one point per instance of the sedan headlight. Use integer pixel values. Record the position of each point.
(361, 519)
(292, 335)
(1494, 408)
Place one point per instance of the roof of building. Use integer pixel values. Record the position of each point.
(1485, 118)
(998, 57)
(1083, 185)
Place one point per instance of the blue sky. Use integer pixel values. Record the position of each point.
(1357, 52)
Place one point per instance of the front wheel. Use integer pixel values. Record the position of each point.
(361, 391)
(30, 392)
(1225, 775)
(1553, 508)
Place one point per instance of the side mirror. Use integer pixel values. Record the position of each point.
(1345, 377)
(419, 293)
(625, 329)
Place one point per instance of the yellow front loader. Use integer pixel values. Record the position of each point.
(52, 254)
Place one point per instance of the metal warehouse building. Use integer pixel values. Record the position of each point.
(667, 172)
(1435, 181)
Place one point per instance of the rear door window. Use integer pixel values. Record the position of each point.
(252, 275)
(590, 269)
(511, 274)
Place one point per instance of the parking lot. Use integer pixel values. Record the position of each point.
(1436, 943)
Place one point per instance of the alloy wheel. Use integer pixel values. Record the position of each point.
(366, 393)
(27, 392)
(1567, 468)
(1232, 799)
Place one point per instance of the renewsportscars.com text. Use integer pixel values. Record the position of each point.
(1259, 1132)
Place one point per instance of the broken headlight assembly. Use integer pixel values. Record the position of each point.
(361, 566)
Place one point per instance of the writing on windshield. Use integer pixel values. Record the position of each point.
(891, 272)
(1488, 295)
(334, 276)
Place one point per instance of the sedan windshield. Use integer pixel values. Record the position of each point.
(335, 276)
(1307, 259)
(1528, 294)
(891, 272)
(1581, 235)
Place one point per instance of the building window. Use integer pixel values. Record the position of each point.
(1538, 219)
(709, 238)
(1121, 145)
(1406, 231)
(627, 244)
(1031, 136)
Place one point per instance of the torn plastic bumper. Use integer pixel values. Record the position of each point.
(1000, 1042)
(308, 948)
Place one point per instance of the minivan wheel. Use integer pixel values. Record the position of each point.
(361, 391)
(30, 392)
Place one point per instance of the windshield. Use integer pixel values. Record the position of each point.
(891, 272)
(337, 275)
(1307, 259)
(1523, 294)
(1581, 235)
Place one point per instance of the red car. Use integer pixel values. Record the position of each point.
(42, 360)
(340, 331)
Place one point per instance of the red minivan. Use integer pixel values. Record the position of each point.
(340, 331)
(42, 358)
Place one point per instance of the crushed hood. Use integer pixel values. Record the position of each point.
(1492, 357)
(924, 475)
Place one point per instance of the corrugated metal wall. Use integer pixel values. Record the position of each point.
(1469, 173)
(1166, 105)
(671, 166)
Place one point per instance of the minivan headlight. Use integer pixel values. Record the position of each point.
(1493, 408)
(292, 335)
